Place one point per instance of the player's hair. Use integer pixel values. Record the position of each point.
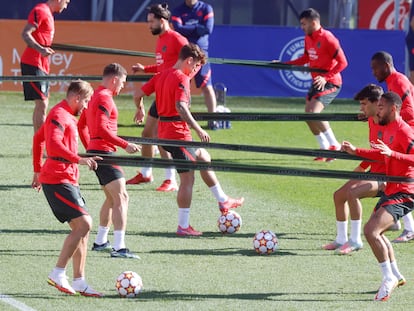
(114, 69)
(372, 92)
(311, 14)
(160, 11)
(383, 57)
(194, 51)
(80, 87)
(392, 98)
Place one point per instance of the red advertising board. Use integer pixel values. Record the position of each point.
(380, 14)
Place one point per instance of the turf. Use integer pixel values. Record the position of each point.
(208, 273)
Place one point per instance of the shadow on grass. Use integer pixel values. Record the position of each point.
(219, 252)
(273, 296)
(206, 234)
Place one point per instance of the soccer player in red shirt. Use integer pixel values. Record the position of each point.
(172, 92)
(395, 148)
(323, 51)
(168, 47)
(38, 35)
(102, 123)
(58, 176)
(347, 197)
(383, 69)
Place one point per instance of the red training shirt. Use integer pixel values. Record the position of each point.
(168, 48)
(375, 133)
(170, 86)
(102, 121)
(42, 18)
(399, 137)
(322, 50)
(60, 135)
(399, 83)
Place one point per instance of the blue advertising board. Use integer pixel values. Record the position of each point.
(284, 43)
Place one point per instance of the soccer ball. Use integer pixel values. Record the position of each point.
(229, 222)
(265, 242)
(128, 284)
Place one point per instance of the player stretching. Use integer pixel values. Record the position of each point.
(323, 51)
(58, 176)
(172, 91)
(395, 148)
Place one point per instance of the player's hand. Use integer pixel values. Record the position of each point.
(36, 185)
(90, 162)
(348, 147)
(137, 68)
(132, 148)
(139, 115)
(204, 137)
(46, 51)
(319, 83)
(384, 149)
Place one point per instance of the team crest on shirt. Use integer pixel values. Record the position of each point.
(296, 80)
(379, 135)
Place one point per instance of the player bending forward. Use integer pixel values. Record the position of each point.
(58, 176)
(172, 91)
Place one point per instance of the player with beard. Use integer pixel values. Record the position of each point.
(169, 44)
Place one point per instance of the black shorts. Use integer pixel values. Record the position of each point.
(37, 89)
(398, 205)
(65, 200)
(153, 111)
(107, 173)
(325, 96)
(182, 153)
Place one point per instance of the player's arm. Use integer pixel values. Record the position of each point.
(302, 60)
(338, 54)
(185, 30)
(83, 130)
(32, 43)
(139, 103)
(185, 114)
(37, 152)
(407, 141)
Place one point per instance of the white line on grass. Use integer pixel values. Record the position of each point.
(14, 303)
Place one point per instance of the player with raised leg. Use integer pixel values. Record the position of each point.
(58, 176)
(173, 98)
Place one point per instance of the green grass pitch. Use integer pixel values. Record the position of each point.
(213, 272)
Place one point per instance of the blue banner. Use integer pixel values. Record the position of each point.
(284, 43)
